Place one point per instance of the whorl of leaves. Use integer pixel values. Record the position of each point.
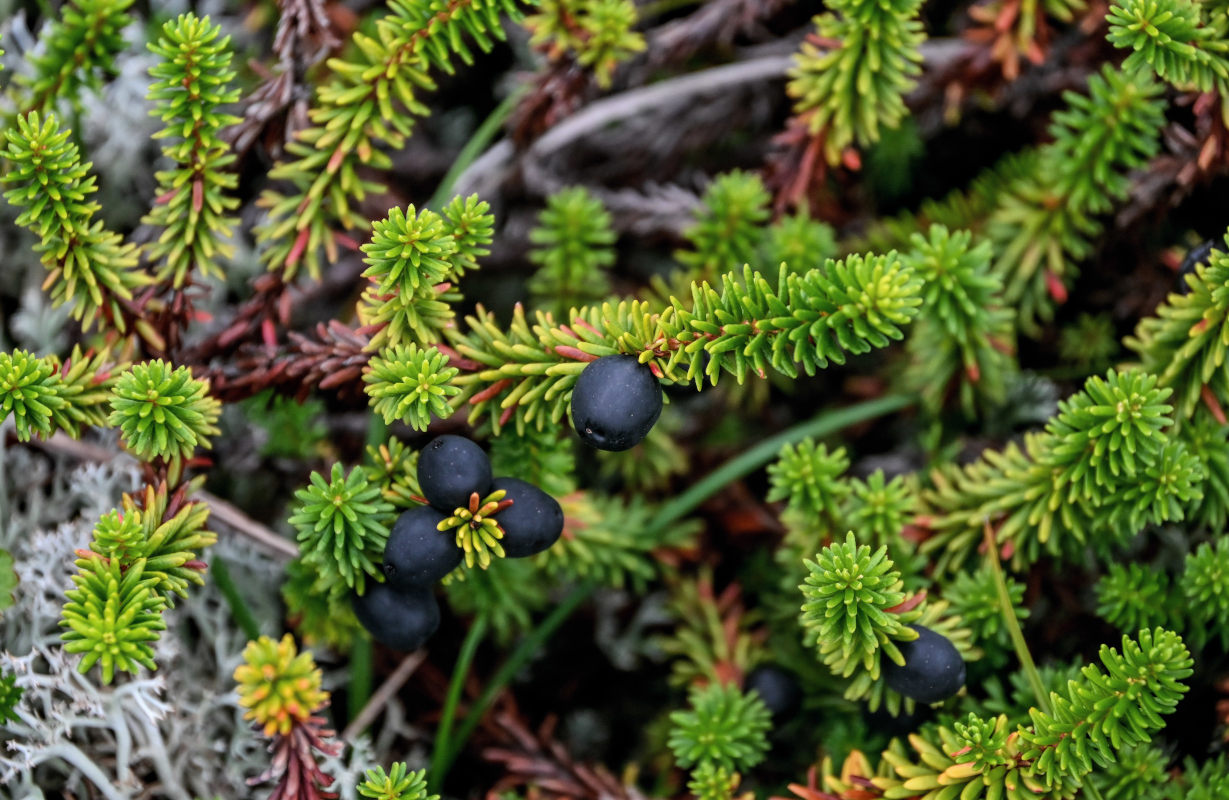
(410, 384)
(342, 523)
(399, 783)
(1116, 705)
(729, 225)
(163, 412)
(964, 333)
(1205, 584)
(809, 479)
(113, 616)
(413, 261)
(1043, 221)
(724, 727)
(848, 593)
(279, 686)
(1133, 596)
(573, 243)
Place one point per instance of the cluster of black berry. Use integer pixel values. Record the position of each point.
(453, 473)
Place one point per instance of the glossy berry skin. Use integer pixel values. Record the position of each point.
(777, 687)
(615, 402)
(450, 469)
(417, 554)
(933, 669)
(532, 523)
(400, 620)
(1197, 255)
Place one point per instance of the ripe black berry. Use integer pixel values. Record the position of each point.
(1199, 254)
(777, 687)
(933, 669)
(400, 620)
(615, 402)
(532, 523)
(417, 553)
(450, 469)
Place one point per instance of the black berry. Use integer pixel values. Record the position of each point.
(532, 523)
(400, 620)
(450, 469)
(777, 687)
(1194, 257)
(417, 553)
(615, 402)
(933, 669)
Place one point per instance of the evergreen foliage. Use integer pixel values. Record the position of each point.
(1137, 458)
(1132, 596)
(89, 266)
(799, 241)
(849, 594)
(849, 90)
(1205, 583)
(855, 612)
(711, 781)
(163, 412)
(342, 525)
(880, 509)
(1184, 342)
(113, 616)
(476, 529)
(1044, 220)
(809, 479)
(964, 334)
(723, 727)
(410, 384)
(172, 536)
(396, 784)
(44, 396)
(573, 243)
(1103, 468)
(319, 608)
(191, 82)
(507, 593)
(728, 228)
(413, 260)
(279, 686)
(611, 541)
(849, 306)
(1168, 37)
(1117, 705)
(974, 597)
(597, 33)
(368, 105)
(81, 46)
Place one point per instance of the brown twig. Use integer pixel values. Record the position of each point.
(379, 699)
(221, 510)
(538, 759)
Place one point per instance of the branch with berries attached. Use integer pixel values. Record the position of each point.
(366, 109)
